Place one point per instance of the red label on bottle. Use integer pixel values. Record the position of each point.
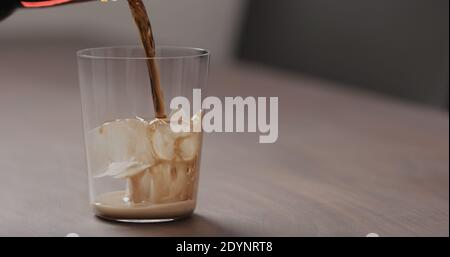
(43, 3)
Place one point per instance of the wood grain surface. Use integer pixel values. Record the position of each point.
(346, 163)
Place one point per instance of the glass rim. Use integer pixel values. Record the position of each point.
(199, 52)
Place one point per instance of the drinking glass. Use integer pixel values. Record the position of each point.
(139, 169)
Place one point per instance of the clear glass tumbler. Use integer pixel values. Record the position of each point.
(139, 169)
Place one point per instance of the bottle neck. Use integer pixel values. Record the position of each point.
(7, 7)
(42, 3)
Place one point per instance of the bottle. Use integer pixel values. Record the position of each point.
(7, 7)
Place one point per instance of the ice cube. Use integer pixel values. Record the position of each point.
(179, 182)
(179, 123)
(124, 169)
(169, 182)
(162, 139)
(138, 187)
(120, 148)
(196, 121)
(189, 146)
(161, 182)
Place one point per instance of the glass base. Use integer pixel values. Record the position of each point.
(110, 206)
(142, 221)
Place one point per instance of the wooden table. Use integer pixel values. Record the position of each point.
(346, 163)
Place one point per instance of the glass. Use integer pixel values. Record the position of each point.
(139, 169)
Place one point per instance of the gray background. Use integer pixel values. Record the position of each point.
(396, 47)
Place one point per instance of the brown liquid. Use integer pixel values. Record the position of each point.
(145, 29)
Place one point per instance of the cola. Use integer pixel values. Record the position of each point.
(142, 20)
